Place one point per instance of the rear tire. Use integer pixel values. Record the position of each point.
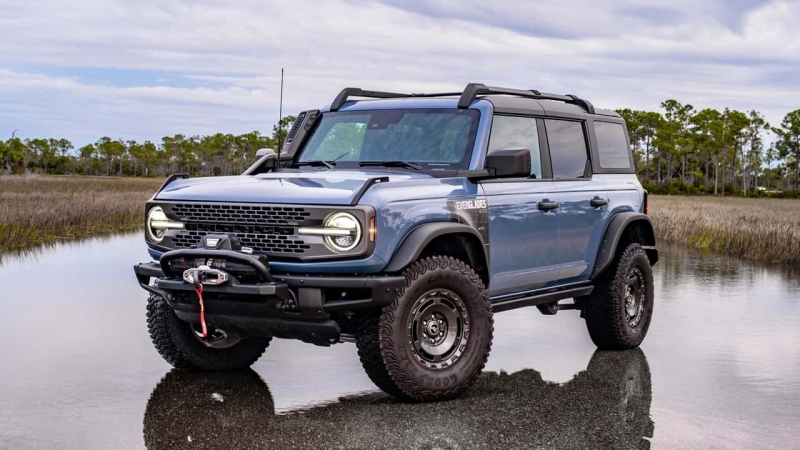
(178, 344)
(433, 341)
(619, 309)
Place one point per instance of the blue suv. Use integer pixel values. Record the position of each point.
(403, 222)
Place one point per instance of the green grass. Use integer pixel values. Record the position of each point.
(765, 230)
(38, 210)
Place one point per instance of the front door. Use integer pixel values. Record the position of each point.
(523, 228)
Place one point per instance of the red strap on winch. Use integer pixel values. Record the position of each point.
(199, 291)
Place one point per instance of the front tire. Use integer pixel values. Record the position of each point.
(433, 341)
(178, 343)
(619, 309)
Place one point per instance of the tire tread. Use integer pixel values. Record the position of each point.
(376, 346)
(602, 307)
(172, 339)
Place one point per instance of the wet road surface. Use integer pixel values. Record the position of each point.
(720, 368)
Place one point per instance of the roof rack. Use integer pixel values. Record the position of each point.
(473, 90)
(343, 96)
(470, 93)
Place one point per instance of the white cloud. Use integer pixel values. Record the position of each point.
(199, 67)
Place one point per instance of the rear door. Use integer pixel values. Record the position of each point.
(523, 235)
(583, 201)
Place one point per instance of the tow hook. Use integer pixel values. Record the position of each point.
(290, 304)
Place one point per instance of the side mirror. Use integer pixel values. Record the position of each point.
(509, 163)
(267, 161)
(264, 152)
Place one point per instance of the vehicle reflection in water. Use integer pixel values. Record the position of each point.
(78, 368)
(605, 406)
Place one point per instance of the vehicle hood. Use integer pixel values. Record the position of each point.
(323, 187)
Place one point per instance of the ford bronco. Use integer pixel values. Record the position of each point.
(403, 222)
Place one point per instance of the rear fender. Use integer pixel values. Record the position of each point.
(625, 226)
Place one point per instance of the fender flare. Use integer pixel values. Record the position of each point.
(416, 240)
(616, 227)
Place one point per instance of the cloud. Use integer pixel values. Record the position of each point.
(145, 69)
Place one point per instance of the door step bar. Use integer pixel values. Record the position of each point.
(541, 298)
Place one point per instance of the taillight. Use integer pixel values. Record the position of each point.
(646, 204)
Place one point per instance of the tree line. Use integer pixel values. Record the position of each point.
(713, 151)
(217, 154)
(676, 148)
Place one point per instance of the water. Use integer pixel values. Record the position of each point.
(720, 368)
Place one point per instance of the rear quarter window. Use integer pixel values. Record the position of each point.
(612, 147)
(568, 151)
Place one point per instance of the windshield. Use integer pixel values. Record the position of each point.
(429, 138)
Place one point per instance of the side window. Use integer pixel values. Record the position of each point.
(612, 146)
(568, 151)
(517, 132)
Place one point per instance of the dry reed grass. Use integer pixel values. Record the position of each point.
(37, 210)
(760, 229)
(43, 209)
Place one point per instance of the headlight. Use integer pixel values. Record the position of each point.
(349, 232)
(158, 224)
(341, 231)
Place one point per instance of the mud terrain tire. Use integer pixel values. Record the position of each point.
(397, 365)
(176, 343)
(612, 322)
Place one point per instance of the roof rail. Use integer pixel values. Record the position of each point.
(341, 99)
(343, 96)
(473, 90)
(470, 93)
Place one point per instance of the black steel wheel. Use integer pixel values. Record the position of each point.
(215, 338)
(433, 341)
(438, 330)
(634, 297)
(619, 309)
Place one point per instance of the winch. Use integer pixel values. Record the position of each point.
(205, 275)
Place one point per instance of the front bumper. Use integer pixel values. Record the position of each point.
(278, 305)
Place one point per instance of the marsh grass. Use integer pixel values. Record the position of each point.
(41, 210)
(37, 210)
(765, 230)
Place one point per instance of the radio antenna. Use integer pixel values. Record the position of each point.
(280, 120)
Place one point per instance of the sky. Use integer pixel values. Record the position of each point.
(145, 69)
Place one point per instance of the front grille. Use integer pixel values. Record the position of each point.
(239, 214)
(265, 229)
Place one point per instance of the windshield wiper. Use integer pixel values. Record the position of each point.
(317, 163)
(406, 164)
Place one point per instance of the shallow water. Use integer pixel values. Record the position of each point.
(720, 368)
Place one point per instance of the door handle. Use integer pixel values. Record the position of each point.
(547, 206)
(598, 202)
